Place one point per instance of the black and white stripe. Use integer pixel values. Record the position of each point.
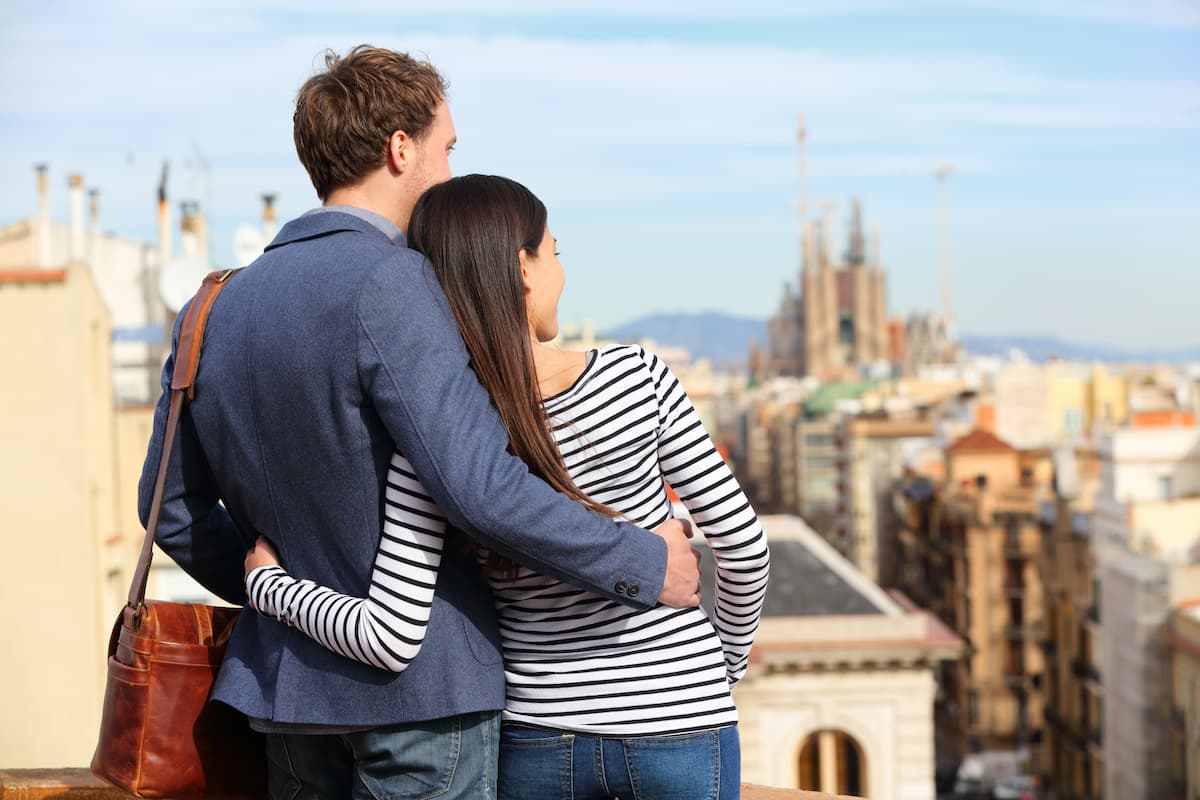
(575, 660)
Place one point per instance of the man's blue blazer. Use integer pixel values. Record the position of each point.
(334, 347)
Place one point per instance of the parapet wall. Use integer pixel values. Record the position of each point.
(79, 784)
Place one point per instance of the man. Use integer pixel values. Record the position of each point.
(335, 347)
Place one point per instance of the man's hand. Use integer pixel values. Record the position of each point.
(681, 586)
(261, 555)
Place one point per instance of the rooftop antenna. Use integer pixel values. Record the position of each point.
(942, 172)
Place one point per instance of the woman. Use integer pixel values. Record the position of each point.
(602, 700)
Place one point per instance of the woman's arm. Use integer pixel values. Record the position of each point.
(706, 486)
(386, 628)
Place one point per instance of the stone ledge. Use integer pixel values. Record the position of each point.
(79, 784)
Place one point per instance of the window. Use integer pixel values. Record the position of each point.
(1166, 488)
(849, 770)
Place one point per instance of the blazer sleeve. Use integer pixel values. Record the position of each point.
(415, 368)
(194, 528)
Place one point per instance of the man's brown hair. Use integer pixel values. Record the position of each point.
(346, 114)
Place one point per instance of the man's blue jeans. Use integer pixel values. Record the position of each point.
(539, 764)
(448, 759)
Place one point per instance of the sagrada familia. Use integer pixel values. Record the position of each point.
(839, 320)
(837, 326)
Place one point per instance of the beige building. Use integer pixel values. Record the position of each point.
(65, 553)
(840, 693)
(969, 552)
(75, 418)
(1070, 758)
(1039, 405)
(873, 452)
(125, 274)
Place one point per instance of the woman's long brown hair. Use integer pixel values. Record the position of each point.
(472, 229)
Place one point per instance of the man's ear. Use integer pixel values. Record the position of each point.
(399, 151)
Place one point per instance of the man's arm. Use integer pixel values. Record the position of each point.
(194, 528)
(414, 366)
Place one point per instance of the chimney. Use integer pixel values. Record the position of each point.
(268, 217)
(42, 224)
(187, 229)
(164, 222)
(75, 188)
(93, 225)
(94, 211)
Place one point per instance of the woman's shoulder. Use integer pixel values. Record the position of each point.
(630, 352)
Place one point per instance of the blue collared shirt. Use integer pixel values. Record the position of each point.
(389, 228)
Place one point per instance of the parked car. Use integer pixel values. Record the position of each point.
(979, 773)
(1015, 787)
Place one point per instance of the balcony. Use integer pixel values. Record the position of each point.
(79, 784)
(1014, 589)
(1022, 630)
(1017, 680)
(1085, 671)
(1049, 649)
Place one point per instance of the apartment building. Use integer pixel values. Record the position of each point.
(968, 552)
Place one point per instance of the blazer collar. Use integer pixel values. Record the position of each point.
(315, 226)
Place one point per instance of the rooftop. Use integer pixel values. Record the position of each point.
(980, 441)
(32, 275)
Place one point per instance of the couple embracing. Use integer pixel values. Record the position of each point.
(467, 582)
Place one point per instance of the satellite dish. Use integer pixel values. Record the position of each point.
(180, 279)
(248, 244)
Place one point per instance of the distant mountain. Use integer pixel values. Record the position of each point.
(724, 340)
(1044, 348)
(721, 338)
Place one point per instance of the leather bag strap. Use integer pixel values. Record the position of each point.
(183, 389)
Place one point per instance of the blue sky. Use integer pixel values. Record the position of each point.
(662, 137)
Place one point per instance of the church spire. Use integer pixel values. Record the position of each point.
(856, 250)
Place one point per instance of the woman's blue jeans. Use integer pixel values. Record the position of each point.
(556, 765)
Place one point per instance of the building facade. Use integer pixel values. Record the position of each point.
(1069, 760)
(61, 542)
(1184, 641)
(968, 553)
(872, 454)
(1146, 543)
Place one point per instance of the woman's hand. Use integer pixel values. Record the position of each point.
(262, 554)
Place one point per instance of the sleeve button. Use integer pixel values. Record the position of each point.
(633, 590)
(620, 587)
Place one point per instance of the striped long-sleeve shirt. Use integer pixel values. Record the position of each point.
(574, 660)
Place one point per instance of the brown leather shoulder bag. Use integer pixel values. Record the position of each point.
(159, 735)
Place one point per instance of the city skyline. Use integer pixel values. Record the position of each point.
(665, 148)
